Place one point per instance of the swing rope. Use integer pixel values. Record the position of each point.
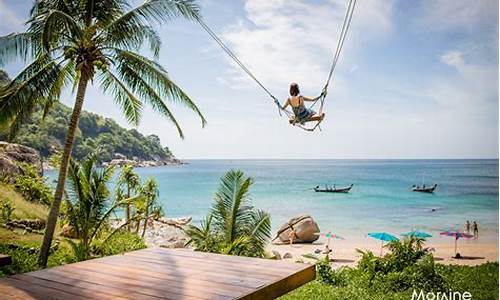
(343, 33)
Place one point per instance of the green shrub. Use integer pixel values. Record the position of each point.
(120, 242)
(233, 226)
(6, 209)
(327, 275)
(32, 186)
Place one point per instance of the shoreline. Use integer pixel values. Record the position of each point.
(475, 252)
(168, 233)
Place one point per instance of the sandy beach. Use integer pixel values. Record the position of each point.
(474, 252)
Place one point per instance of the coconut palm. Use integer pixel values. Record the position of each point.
(74, 43)
(148, 206)
(237, 227)
(87, 209)
(130, 181)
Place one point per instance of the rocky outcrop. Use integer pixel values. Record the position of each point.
(306, 230)
(36, 224)
(12, 154)
(138, 163)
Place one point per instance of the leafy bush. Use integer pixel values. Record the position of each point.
(122, 241)
(481, 281)
(6, 209)
(32, 186)
(233, 226)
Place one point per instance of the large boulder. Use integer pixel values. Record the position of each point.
(12, 154)
(306, 230)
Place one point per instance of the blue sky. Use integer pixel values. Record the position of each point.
(416, 79)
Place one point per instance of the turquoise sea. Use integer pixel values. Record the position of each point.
(381, 199)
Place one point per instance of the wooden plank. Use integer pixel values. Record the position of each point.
(142, 286)
(76, 288)
(285, 265)
(282, 286)
(273, 267)
(267, 272)
(158, 271)
(39, 292)
(5, 260)
(221, 288)
(10, 292)
(187, 266)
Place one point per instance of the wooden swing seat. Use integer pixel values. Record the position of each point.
(317, 118)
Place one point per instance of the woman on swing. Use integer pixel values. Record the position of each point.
(301, 112)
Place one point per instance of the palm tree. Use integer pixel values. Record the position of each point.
(86, 204)
(131, 181)
(72, 43)
(148, 205)
(233, 223)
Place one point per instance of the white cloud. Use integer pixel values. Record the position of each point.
(443, 15)
(453, 58)
(283, 41)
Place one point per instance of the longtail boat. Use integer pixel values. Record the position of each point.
(424, 189)
(334, 189)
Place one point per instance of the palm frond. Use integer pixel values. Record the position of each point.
(131, 106)
(156, 77)
(160, 11)
(132, 37)
(15, 45)
(56, 25)
(261, 228)
(146, 92)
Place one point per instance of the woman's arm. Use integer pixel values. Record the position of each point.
(310, 99)
(286, 103)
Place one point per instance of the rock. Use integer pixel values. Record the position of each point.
(287, 255)
(12, 154)
(306, 230)
(276, 254)
(121, 162)
(27, 224)
(69, 232)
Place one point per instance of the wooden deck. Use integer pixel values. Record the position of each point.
(157, 273)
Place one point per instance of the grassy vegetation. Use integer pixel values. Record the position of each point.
(23, 246)
(23, 209)
(481, 281)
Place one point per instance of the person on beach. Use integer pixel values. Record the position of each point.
(476, 229)
(296, 101)
(467, 226)
(291, 235)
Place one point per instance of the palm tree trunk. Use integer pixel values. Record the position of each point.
(145, 223)
(127, 219)
(63, 170)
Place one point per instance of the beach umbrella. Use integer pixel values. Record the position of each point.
(417, 234)
(384, 237)
(329, 235)
(457, 235)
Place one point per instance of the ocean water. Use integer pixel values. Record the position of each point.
(381, 199)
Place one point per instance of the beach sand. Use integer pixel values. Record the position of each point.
(474, 252)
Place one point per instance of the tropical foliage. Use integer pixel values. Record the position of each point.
(128, 183)
(46, 133)
(88, 207)
(408, 266)
(31, 185)
(233, 226)
(481, 281)
(74, 43)
(94, 132)
(147, 206)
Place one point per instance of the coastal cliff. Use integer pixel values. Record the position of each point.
(95, 133)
